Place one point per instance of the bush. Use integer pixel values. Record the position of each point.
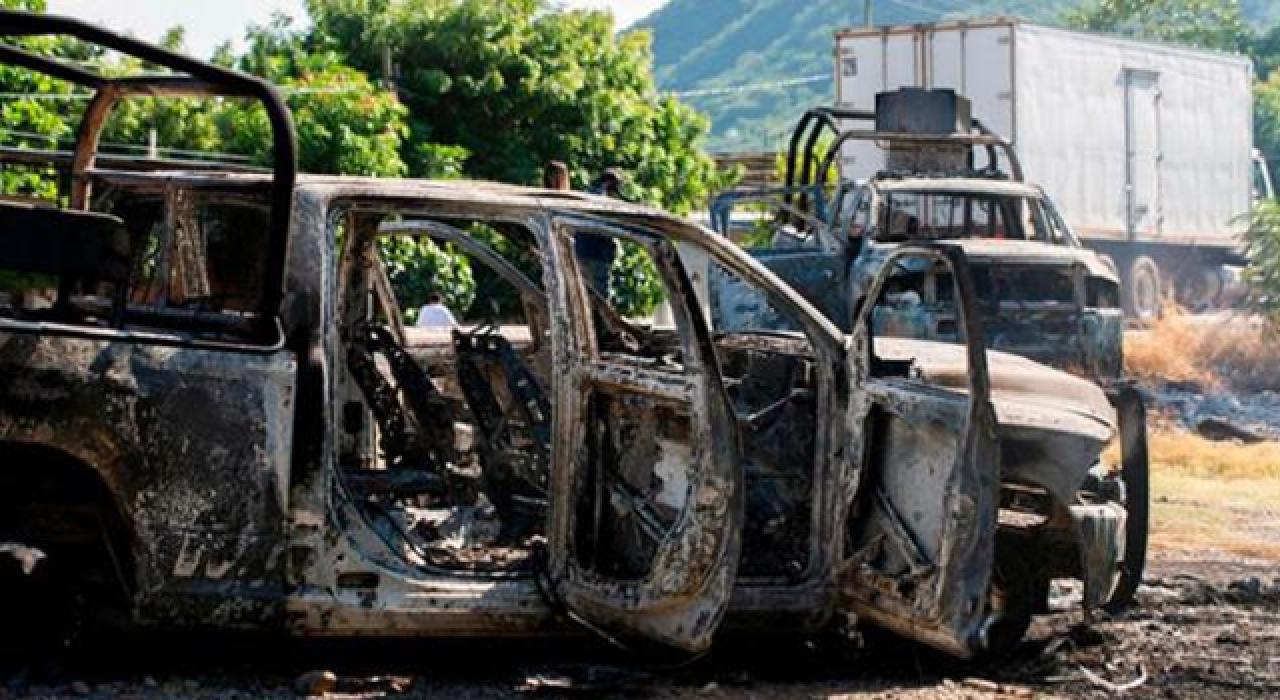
(1262, 245)
(417, 267)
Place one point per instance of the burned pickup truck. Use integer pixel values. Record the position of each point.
(919, 169)
(221, 421)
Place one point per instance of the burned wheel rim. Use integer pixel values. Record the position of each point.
(1144, 289)
(1135, 473)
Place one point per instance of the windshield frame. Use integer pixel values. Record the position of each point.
(1038, 220)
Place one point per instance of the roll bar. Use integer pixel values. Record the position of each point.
(818, 120)
(189, 77)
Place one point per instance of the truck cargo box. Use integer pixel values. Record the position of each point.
(1134, 141)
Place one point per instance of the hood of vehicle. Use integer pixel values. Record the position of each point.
(1053, 425)
(986, 252)
(1001, 251)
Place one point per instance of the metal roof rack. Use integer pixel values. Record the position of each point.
(188, 77)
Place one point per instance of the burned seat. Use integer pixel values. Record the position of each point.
(513, 416)
(415, 421)
(83, 250)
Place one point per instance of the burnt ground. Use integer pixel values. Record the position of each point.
(1207, 626)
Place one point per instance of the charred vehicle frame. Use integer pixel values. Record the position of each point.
(1041, 293)
(223, 422)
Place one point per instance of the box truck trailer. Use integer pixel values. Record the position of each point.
(1146, 149)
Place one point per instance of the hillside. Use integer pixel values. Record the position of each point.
(711, 47)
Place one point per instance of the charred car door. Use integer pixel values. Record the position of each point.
(646, 494)
(922, 528)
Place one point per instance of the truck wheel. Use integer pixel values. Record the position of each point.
(64, 569)
(1200, 290)
(1135, 472)
(1014, 595)
(1144, 289)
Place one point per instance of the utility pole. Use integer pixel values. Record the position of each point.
(866, 12)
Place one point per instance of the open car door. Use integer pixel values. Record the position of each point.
(647, 488)
(922, 529)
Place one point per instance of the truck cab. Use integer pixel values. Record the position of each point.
(1042, 294)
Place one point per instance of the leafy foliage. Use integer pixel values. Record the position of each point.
(1266, 117)
(512, 84)
(418, 266)
(1262, 243)
(32, 123)
(1212, 24)
(346, 124)
(635, 287)
(497, 89)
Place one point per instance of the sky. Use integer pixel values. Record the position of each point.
(210, 22)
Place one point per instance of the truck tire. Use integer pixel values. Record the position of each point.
(65, 561)
(1144, 289)
(1135, 472)
(1015, 593)
(1200, 289)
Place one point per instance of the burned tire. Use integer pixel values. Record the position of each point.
(1135, 473)
(1014, 596)
(42, 613)
(1143, 289)
(79, 583)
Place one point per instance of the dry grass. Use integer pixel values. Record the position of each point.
(1238, 516)
(1215, 496)
(1229, 352)
(1191, 455)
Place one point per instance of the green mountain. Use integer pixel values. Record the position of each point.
(756, 65)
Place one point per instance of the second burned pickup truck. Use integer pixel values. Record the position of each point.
(220, 421)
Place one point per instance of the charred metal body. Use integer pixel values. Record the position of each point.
(316, 467)
(1041, 294)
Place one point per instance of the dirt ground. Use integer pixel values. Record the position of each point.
(1207, 625)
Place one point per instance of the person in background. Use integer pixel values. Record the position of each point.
(435, 314)
(596, 253)
(555, 176)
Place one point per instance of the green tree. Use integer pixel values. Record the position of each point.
(419, 266)
(33, 114)
(1262, 245)
(1213, 24)
(182, 128)
(346, 124)
(511, 84)
(1266, 117)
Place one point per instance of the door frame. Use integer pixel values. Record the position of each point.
(683, 599)
(953, 615)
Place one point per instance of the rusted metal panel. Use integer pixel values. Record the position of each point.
(925, 537)
(193, 444)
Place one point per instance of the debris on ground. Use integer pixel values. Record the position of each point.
(1252, 417)
(27, 557)
(1222, 430)
(314, 684)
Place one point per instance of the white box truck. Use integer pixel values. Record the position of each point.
(1146, 149)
